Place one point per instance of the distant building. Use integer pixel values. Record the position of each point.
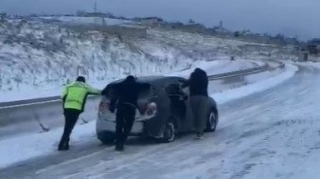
(304, 54)
(314, 46)
(221, 24)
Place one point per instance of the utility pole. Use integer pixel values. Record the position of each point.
(95, 13)
(221, 24)
(95, 7)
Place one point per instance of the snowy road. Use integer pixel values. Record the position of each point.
(274, 134)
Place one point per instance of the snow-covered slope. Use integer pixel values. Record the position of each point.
(200, 46)
(37, 58)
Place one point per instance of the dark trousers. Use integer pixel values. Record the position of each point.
(199, 109)
(71, 117)
(124, 121)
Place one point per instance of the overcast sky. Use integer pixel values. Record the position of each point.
(290, 17)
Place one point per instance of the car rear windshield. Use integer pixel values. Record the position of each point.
(147, 93)
(109, 91)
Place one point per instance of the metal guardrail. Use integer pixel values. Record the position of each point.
(20, 103)
(245, 72)
(238, 73)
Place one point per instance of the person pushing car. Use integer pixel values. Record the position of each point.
(124, 98)
(74, 99)
(198, 87)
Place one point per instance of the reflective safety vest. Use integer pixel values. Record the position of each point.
(74, 95)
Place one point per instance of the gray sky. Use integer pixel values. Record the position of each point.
(290, 17)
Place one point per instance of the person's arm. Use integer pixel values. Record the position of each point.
(64, 94)
(206, 75)
(184, 84)
(93, 91)
(106, 90)
(205, 78)
(113, 95)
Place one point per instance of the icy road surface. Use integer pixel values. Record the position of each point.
(274, 134)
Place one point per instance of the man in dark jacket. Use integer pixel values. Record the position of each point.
(198, 87)
(125, 99)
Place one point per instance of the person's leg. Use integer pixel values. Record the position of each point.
(73, 120)
(119, 128)
(71, 117)
(198, 105)
(129, 119)
(194, 109)
(202, 115)
(67, 116)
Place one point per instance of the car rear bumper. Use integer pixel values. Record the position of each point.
(104, 126)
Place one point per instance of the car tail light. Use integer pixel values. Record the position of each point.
(103, 107)
(150, 108)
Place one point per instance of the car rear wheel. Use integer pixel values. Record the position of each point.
(169, 133)
(212, 120)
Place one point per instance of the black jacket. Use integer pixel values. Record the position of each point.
(125, 92)
(198, 83)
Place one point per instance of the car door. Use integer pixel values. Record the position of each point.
(180, 105)
(188, 123)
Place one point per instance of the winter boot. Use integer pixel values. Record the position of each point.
(119, 147)
(199, 136)
(63, 145)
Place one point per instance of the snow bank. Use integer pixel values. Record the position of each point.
(21, 148)
(243, 91)
(217, 67)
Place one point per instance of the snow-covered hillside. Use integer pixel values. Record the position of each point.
(199, 46)
(37, 55)
(34, 55)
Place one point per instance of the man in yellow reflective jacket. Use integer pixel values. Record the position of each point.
(74, 98)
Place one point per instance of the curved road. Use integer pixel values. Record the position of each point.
(274, 134)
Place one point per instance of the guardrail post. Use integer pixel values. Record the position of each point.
(83, 120)
(37, 118)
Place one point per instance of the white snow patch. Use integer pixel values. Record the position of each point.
(32, 145)
(218, 67)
